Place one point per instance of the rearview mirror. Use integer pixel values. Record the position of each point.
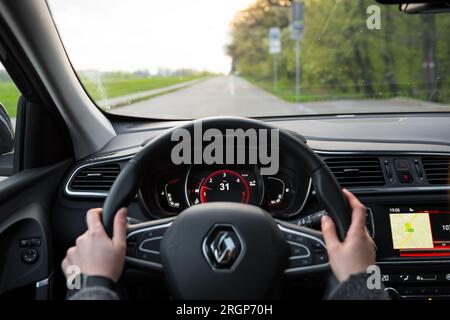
(408, 1)
(417, 8)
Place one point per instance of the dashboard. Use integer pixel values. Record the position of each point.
(397, 166)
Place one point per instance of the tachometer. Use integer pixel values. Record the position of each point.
(171, 194)
(286, 193)
(224, 185)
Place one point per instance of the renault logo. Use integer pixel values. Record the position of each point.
(222, 247)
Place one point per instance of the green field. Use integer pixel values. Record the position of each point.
(109, 87)
(9, 96)
(116, 87)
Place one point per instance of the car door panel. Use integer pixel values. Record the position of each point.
(25, 207)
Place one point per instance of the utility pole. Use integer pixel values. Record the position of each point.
(297, 70)
(297, 27)
(275, 73)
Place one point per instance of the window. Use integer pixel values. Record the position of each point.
(9, 97)
(183, 59)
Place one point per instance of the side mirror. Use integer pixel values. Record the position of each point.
(6, 132)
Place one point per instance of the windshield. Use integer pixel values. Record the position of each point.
(183, 59)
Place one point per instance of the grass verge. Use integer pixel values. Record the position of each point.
(286, 91)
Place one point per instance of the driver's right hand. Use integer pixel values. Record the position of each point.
(357, 252)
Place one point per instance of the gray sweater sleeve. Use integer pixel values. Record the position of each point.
(355, 288)
(95, 293)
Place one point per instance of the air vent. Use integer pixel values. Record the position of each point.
(96, 178)
(357, 172)
(437, 169)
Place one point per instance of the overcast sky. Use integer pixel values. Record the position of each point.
(146, 34)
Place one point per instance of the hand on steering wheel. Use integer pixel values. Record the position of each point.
(356, 253)
(95, 253)
(349, 257)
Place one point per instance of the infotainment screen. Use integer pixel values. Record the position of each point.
(420, 233)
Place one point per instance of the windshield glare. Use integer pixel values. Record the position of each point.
(183, 59)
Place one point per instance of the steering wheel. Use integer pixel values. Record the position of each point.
(224, 250)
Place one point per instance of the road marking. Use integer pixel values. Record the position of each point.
(305, 109)
(231, 85)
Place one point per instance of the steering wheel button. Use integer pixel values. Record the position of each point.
(303, 262)
(302, 240)
(157, 232)
(317, 246)
(298, 250)
(149, 256)
(321, 257)
(151, 245)
(149, 234)
(289, 236)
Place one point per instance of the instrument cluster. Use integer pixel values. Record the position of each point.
(283, 195)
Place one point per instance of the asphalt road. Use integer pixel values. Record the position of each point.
(234, 96)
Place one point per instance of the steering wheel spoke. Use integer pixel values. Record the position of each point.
(307, 250)
(144, 242)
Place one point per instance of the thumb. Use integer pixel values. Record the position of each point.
(329, 232)
(120, 226)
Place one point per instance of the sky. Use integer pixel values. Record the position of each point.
(132, 35)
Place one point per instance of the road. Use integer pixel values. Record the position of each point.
(234, 96)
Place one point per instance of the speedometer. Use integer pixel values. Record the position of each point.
(224, 185)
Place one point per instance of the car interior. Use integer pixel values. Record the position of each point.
(63, 155)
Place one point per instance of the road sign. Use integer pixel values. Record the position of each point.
(274, 40)
(297, 26)
(298, 10)
(297, 30)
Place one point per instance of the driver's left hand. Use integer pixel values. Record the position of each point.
(95, 253)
